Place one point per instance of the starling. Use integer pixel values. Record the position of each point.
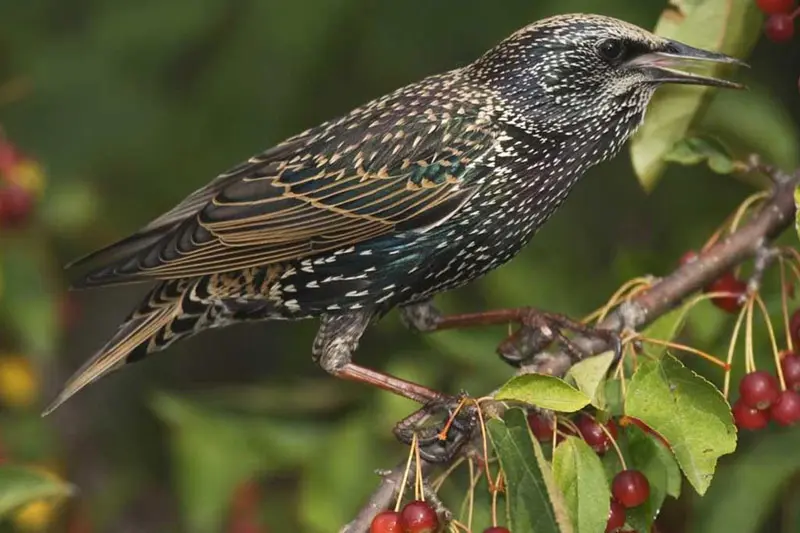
(414, 193)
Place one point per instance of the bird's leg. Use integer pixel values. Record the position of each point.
(422, 316)
(334, 345)
(538, 329)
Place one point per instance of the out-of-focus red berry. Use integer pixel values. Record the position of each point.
(779, 28)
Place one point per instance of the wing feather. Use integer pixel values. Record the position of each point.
(317, 197)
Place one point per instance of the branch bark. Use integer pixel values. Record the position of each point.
(774, 216)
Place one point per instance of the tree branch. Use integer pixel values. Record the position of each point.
(748, 241)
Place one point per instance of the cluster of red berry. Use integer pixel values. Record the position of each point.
(416, 517)
(761, 397)
(629, 488)
(780, 21)
(760, 394)
(16, 201)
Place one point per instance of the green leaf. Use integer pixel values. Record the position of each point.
(756, 481)
(728, 26)
(688, 411)
(612, 393)
(216, 449)
(19, 485)
(534, 503)
(762, 124)
(547, 392)
(694, 150)
(590, 375)
(580, 476)
(674, 479)
(666, 328)
(28, 303)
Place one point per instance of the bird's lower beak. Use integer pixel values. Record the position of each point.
(661, 66)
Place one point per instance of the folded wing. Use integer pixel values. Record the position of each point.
(322, 191)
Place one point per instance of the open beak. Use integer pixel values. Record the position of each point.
(662, 65)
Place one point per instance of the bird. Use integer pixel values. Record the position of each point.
(414, 193)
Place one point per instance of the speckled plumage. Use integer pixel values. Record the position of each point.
(417, 192)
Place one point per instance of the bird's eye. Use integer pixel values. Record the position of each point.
(611, 49)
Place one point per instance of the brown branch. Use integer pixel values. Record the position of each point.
(749, 241)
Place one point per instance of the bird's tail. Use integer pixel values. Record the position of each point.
(169, 312)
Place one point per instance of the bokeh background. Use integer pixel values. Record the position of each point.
(122, 108)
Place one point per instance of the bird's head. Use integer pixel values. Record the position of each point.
(573, 70)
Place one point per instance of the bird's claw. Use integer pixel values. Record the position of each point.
(540, 329)
(440, 429)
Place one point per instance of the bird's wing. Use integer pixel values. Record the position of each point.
(333, 191)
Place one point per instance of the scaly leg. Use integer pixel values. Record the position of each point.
(539, 329)
(334, 346)
(338, 338)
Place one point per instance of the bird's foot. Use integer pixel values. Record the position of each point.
(539, 329)
(440, 429)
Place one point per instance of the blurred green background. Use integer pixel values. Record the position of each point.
(129, 106)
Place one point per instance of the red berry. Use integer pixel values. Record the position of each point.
(16, 205)
(794, 328)
(779, 28)
(727, 283)
(9, 157)
(786, 410)
(616, 517)
(418, 517)
(688, 257)
(386, 522)
(759, 389)
(630, 488)
(541, 426)
(592, 432)
(790, 365)
(496, 529)
(772, 7)
(68, 311)
(747, 417)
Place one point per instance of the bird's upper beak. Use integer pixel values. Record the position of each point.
(661, 65)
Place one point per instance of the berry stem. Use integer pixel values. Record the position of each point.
(405, 474)
(419, 489)
(773, 340)
(437, 484)
(784, 304)
(744, 207)
(494, 497)
(485, 444)
(456, 526)
(473, 482)
(627, 290)
(750, 360)
(619, 454)
(793, 261)
(677, 346)
(731, 350)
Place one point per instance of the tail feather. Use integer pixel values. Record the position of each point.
(131, 336)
